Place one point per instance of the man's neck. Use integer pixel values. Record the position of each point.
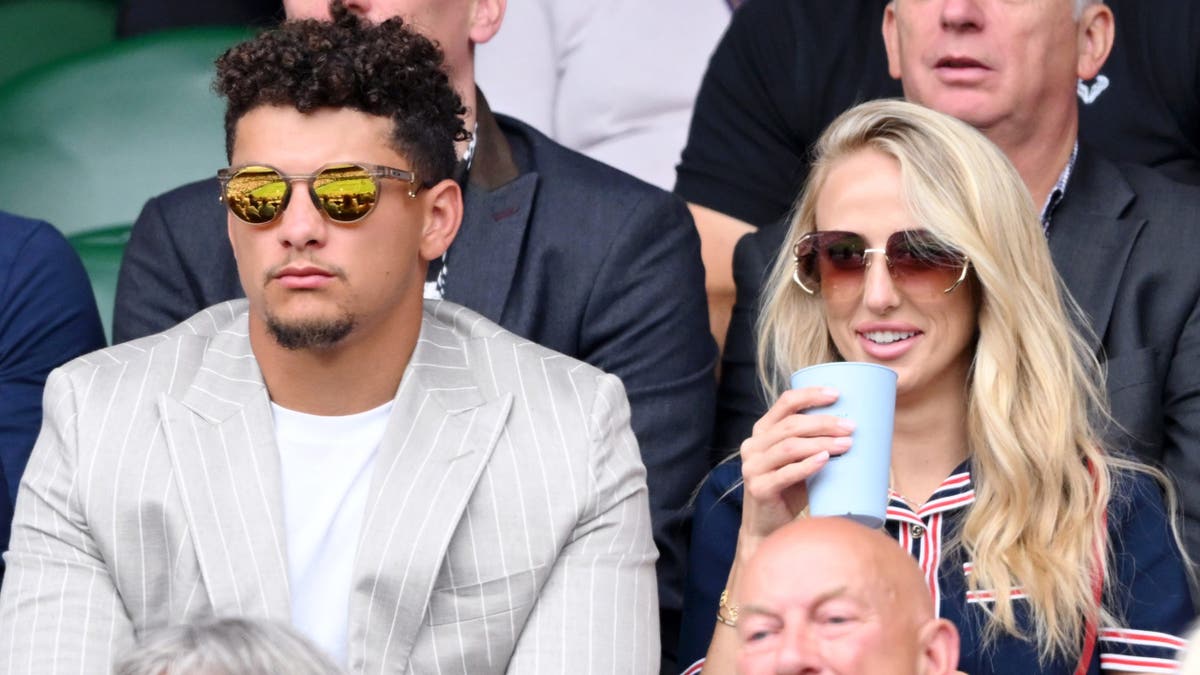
(359, 373)
(1039, 155)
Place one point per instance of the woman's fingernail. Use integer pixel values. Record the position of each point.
(829, 391)
(821, 457)
(845, 423)
(844, 442)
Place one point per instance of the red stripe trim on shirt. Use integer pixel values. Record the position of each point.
(930, 557)
(1140, 664)
(694, 669)
(945, 503)
(903, 516)
(956, 480)
(1142, 637)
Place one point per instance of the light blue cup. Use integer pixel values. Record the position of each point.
(855, 484)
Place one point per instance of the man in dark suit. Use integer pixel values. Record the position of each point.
(1122, 237)
(47, 317)
(137, 17)
(555, 247)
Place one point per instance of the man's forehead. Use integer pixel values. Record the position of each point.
(285, 135)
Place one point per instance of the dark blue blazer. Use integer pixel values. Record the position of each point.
(48, 316)
(555, 247)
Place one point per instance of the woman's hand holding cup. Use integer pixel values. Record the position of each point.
(786, 448)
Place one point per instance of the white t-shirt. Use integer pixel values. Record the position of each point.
(326, 465)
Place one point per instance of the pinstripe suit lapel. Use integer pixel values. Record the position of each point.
(440, 436)
(221, 439)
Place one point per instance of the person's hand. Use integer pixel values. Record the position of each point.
(787, 446)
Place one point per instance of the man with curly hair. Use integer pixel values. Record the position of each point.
(412, 487)
(555, 247)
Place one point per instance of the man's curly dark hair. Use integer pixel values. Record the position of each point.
(384, 69)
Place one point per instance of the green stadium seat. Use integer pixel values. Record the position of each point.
(100, 250)
(88, 140)
(37, 32)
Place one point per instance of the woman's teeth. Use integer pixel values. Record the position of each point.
(884, 337)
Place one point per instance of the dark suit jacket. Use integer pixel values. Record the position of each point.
(47, 317)
(147, 16)
(1126, 242)
(555, 247)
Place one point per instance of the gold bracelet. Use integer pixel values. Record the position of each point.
(723, 604)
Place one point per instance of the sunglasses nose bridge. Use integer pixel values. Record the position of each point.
(867, 257)
(303, 224)
(879, 288)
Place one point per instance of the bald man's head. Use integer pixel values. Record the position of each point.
(827, 595)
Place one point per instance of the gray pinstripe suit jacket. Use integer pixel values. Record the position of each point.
(507, 527)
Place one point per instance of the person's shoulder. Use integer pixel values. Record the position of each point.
(1134, 189)
(191, 203)
(1155, 190)
(810, 16)
(561, 169)
(504, 362)
(446, 321)
(161, 352)
(20, 227)
(32, 242)
(1136, 494)
(818, 27)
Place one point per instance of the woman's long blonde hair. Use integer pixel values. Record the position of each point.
(1035, 403)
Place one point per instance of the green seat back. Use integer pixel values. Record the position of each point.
(36, 32)
(88, 140)
(101, 250)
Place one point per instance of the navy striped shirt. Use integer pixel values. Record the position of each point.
(1146, 589)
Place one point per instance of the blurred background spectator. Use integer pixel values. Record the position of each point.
(615, 80)
(47, 317)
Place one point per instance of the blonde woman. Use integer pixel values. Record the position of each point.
(917, 247)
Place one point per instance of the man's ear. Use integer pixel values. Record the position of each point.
(891, 40)
(443, 216)
(938, 640)
(486, 17)
(1094, 36)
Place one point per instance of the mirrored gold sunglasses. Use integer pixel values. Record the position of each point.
(345, 192)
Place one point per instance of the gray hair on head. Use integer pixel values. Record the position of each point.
(231, 646)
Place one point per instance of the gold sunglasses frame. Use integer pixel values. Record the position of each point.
(962, 276)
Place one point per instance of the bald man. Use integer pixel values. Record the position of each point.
(859, 605)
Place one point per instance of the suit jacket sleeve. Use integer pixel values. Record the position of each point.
(1181, 412)
(47, 317)
(740, 399)
(153, 292)
(611, 627)
(59, 608)
(647, 322)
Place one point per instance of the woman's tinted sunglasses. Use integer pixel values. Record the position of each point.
(835, 263)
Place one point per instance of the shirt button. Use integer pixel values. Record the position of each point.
(917, 531)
